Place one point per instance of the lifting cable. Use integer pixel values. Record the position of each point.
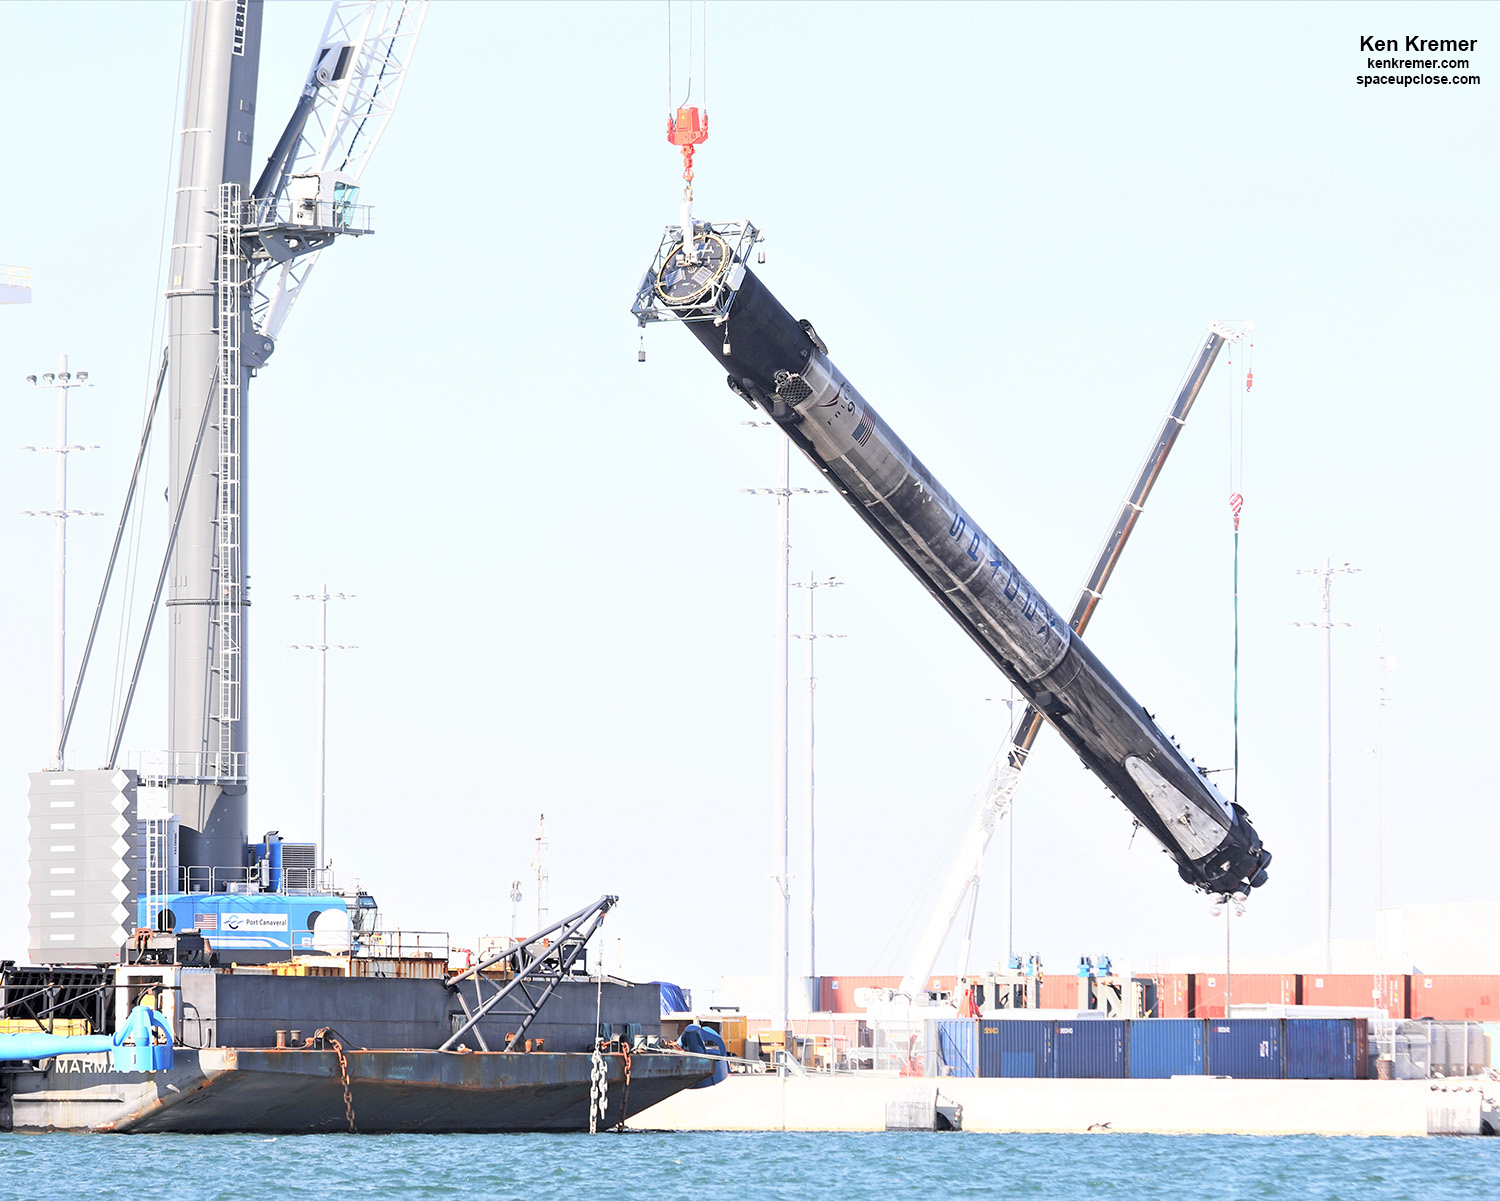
(161, 579)
(141, 458)
(1237, 397)
(158, 337)
(687, 127)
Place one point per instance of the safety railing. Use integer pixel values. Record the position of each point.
(330, 216)
(295, 880)
(307, 879)
(217, 879)
(404, 944)
(159, 769)
(843, 1043)
(1427, 1050)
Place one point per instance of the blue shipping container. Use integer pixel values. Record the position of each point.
(1326, 1048)
(953, 1047)
(1245, 1048)
(1015, 1047)
(1089, 1049)
(1163, 1047)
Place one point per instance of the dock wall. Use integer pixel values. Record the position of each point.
(1183, 1105)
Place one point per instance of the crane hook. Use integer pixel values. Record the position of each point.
(688, 130)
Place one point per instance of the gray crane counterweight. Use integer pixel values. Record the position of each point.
(780, 365)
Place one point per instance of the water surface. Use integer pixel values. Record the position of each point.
(746, 1167)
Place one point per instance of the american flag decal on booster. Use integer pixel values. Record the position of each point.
(866, 426)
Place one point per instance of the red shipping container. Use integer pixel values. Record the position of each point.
(845, 1028)
(839, 994)
(1364, 992)
(1060, 992)
(1395, 996)
(1209, 992)
(1455, 998)
(831, 994)
(1171, 996)
(836, 993)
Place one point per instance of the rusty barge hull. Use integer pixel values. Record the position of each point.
(268, 1091)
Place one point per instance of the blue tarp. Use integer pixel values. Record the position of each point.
(702, 1040)
(674, 998)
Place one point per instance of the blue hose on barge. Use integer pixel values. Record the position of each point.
(133, 1046)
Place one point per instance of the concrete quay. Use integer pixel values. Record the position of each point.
(1182, 1105)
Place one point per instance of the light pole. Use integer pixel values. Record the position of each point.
(322, 646)
(1008, 818)
(781, 911)
(1387, 664)
(809, 826)
(1229, 908)
(62, 380)
(1325, 575)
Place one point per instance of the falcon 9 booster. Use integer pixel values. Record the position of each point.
(780, 364)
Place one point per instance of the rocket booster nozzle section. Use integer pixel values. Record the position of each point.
(781, 365)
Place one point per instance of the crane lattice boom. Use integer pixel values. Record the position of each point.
(351, 91)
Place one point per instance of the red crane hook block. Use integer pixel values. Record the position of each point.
(689, 128)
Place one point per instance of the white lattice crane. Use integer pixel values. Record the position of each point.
(306, 194)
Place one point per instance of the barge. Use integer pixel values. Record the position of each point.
(524, 1039)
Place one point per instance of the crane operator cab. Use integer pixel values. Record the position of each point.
(326, 200)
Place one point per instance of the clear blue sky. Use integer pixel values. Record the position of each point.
(1010, 224)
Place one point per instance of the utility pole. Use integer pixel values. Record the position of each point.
(63, 380)
(322, 646)
(515, 908)
(809, 825)
(539, 866)
(782, 916)
(781, 898)
(1325, 575)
